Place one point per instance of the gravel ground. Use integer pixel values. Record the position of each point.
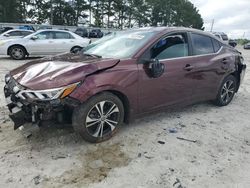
(143, 154)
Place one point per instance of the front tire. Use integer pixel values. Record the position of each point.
(227, 91)
(17, 52)
(99, 118)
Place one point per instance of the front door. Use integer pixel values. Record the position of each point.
(175, 85)
(43, 45)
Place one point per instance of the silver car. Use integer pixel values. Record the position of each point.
(43, 42)
(15, 33)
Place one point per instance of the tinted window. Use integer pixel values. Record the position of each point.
(216, 45)
(218, 36)
(202, 44)
(224, 37)
(172, 46)
(45, 35)
(25, 33)
(62, 35)
(15, 33)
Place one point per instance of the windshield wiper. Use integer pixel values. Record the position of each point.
(93, 55)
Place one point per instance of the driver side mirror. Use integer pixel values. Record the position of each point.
(154, 68)
(6, 35)
(34, 38)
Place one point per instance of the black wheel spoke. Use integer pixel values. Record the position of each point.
(227, 91)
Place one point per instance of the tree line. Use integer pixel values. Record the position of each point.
(102, 13)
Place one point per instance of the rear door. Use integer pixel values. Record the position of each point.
(64, 41)
(175, 85)
(210, 63)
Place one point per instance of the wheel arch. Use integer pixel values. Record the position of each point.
(236, 74)
(125, 103)
(76, 46)
(124, 99)
(8, 50)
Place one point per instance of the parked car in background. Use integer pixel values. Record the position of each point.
(15, 33)
(83, 32)
(43, 27)
(95, 33)
(222, 36)
(27, 27)
(43, 42)
(232, 42)
(247, 46)
(4, 29)
(134, 73)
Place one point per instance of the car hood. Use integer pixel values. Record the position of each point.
(59, 71)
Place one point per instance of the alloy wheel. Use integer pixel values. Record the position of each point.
(102, 118)
(227, 91)
(17, 53)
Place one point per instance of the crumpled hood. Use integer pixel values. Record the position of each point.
(59, 71)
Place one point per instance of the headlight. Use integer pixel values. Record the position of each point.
(48, 94)
(7, 78)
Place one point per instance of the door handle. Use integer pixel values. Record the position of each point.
(224, 61)
(188, 67)
(50, 41)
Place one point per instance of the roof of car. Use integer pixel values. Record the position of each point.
(169, 29)
(20, 30)
(40, 30)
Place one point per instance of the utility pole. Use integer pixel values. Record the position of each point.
(212, 26)
(51, 12)
(90, 2)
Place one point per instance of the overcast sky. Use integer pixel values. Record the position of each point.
(230, 16)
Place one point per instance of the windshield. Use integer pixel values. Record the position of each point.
(119, 45)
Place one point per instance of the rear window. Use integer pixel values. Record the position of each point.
(202, 44)
(224, 37)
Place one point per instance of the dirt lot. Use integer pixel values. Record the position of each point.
(134, 158)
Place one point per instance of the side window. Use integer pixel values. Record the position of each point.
(216, 45)
(172, 46)
(15, 33)
(45, 35)
(202, 44)
(63, 35)
(25, 33)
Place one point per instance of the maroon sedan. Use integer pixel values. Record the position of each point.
(123, 76)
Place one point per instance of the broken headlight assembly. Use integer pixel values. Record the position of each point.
(49, 94)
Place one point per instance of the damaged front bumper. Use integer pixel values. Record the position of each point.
(35, 111)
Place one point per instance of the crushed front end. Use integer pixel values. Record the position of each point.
(34, 106)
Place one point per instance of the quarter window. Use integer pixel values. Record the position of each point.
(202, 44)
(172, 46)
(216, 45)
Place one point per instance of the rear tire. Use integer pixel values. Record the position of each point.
(99, 118)
(226, 91)
(17, 52)
(76, 49)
